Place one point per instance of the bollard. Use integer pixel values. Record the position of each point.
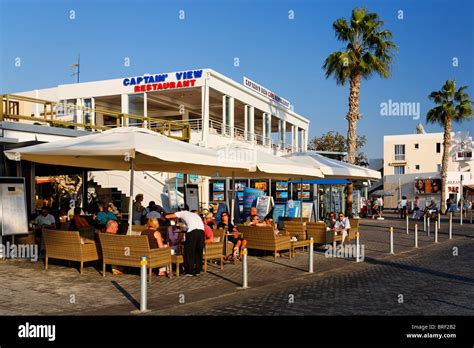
(391, 240)
(408, 224)
(450, 225)
(244, 270)
(143, 276)
(436, 233)
(471, 216)
(460, 218)
(357, 247)
(424, 223)
(311, 255)
(439, 221)
(428, 225)
(143, 286)
(416, 235)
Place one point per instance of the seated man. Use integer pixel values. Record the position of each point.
(342, 225)
(248, 221)
(235, 238)
(45, 219)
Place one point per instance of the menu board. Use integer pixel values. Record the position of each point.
(293, 208)
(264, 206)
(13, 216)
(307, 210)
(250, 200)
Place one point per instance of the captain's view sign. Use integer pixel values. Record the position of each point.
(266, 92)
(148, 83)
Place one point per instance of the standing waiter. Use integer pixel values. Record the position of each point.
(194, 245)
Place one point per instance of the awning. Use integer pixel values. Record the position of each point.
(323, 182)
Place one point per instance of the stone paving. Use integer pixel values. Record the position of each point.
(430, 279)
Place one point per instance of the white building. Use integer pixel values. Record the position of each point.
(216, 110)
(412, 165)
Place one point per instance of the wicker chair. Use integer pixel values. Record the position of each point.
(317, 230)
(66, 245)
(215, 250)
(298, 230)
(353, 230)
(120, 250)
(263, 238)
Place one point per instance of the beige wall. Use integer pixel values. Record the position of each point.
(425, 156)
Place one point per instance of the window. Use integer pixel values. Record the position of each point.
(399, 169)
(438, 147)
(417, 167)
(399, 152)
(417, 146)
(438, 168)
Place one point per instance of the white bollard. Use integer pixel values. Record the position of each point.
(391, 240)
(424, 223)
(436, 233)
(244, 269)
(428, 225)
(416, 235)
(439, 221)
(143, 287)
(460, 219)
(450, 225)
(408, 224)
(311, 255)
(357, 248)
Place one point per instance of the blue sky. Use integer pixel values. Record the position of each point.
(284, 55)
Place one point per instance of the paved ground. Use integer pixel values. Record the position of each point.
(436, 279)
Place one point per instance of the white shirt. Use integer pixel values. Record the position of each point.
(153, 214)
(344, 224)
(192, 220)
(45, 220)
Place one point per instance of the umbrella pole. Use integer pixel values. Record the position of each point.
(130, 203)
(232, 200)
(301, 200)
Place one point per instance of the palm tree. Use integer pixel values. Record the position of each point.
(453, 106)
(369, 50)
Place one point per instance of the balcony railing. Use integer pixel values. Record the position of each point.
(399, 157)
(58, 114)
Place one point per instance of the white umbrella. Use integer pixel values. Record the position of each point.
(332, 168)
(264, 165)
(129, 148)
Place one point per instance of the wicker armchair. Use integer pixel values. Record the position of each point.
(353, 230)
(263, 238)
(67, 245)
(120, 250)
(215, 250)
(317, 230)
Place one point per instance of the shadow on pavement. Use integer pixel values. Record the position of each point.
(126, 294)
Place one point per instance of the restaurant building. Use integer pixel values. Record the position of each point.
(201, 106)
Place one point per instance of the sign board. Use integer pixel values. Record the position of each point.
(250, 200)
(191, 196)
(293, 208)
(427, 186)
(307, 210)
(13, 215)
(220, 209)
(264, 206)
(175, 80)
(266, 93)
(278, 211)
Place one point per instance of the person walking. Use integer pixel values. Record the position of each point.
(194, 245)
(403, 207)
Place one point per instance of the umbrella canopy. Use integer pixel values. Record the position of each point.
(265, 165)
(112, 148)
(382, 193)
(332, 168)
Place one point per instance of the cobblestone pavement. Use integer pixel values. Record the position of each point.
(427, 280)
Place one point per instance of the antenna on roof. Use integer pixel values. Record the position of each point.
(78, 66)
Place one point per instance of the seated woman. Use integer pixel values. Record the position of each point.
(154, 238)
(208, 234)
(331, 220)
(77, 221)
(105, 214)
(268, 221)
(234, 238)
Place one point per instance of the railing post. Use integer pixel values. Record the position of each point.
(428, 230)
(450, 225)
(416, 235)
(311, 255)
(391, 240)
(357, 247)
(408, 224)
